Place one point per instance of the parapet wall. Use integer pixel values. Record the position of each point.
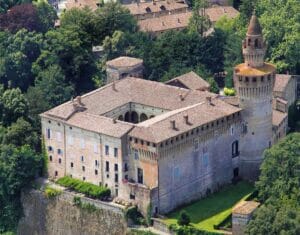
(58, 216)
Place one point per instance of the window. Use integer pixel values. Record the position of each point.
(58, 136)
(196, 145)
(50, 149)
(116, 152)
(136, 154)
(254, 79)
(247, 79)
(96, 163)
(262, 78)
(106, 150)
(72, 164)
(83, 168)
(82, 143)
(140, 176)
(235, 172)
(96, 172)
(116, 192)
(235, 149)
(48, 133)
(107, 166)
(126, 177)
(116, 167)
(59, 151)
(50, 158)
(132, 196)
(125, 167)
(205, 159)
(116, 178)
(82, 158)
(83, 178)
(59, 160)
(56, 173)
(231, 130)
(95, 148)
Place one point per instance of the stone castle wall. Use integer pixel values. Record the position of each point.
(58, 216)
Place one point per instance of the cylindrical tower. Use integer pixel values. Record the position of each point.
(254, 81)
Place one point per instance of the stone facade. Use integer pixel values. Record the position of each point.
(163, 145)
(58, 216)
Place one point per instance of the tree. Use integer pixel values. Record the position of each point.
(21, 133)
(46, 14)
(18, 167)
(51, 82)
(20, 50)
(7, 4)
(14, 105)
(111, 17)
(278, 188)
(199, 22)
(20, 16)
(184, 219)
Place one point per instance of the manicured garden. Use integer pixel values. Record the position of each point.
(88, 189)
(214, 209)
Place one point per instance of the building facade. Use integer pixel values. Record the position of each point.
(148, 141)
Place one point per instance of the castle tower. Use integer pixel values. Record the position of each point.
(254, 81)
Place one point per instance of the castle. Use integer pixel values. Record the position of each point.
(167, 143)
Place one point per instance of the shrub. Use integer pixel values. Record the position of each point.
(133, 214)
(88, 189)
(52, 192)
(184, 219)
(229, 91)
(77, 201)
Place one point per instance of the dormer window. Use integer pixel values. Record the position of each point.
(163, 8)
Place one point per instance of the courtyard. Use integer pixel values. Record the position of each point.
(213, 210)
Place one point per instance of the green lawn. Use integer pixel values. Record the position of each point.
(212, 210)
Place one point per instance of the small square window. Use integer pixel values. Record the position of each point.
(59, 160)
(96, 172)
(83, 168)
(59, 151)
(72, 164)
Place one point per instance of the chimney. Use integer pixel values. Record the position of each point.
(173, 124)
(186, 119)
(208, 99)
(78, 100)
(181, 97)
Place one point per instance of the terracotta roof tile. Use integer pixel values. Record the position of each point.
(254, 27)
(192, 81)
(245, 207)
(278, 117)
(198, 114)
(181, 20)
(281, 81)
(244, 70)
(154, 7)
(124, 61)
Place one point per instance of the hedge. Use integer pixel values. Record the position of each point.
(88, 189)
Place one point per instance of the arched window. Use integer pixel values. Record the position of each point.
(148, 10)
(127, 117)
(256, 43)
(134, 117)
(143, 117)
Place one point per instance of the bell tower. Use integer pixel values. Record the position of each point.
(254, 81)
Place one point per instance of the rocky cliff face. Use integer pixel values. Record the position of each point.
(58, 216)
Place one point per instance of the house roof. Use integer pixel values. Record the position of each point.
(216, 12)
(281, 82)
(124, 61)
(179, 101)
(159, 128)
(139, 8)
(191, 80)
(278, 117)
(181, 20)
(245, 207)
(245, 70)
(92, 4)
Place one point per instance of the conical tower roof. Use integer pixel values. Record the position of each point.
(254, 27)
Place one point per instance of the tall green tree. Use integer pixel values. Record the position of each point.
(199, 22)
